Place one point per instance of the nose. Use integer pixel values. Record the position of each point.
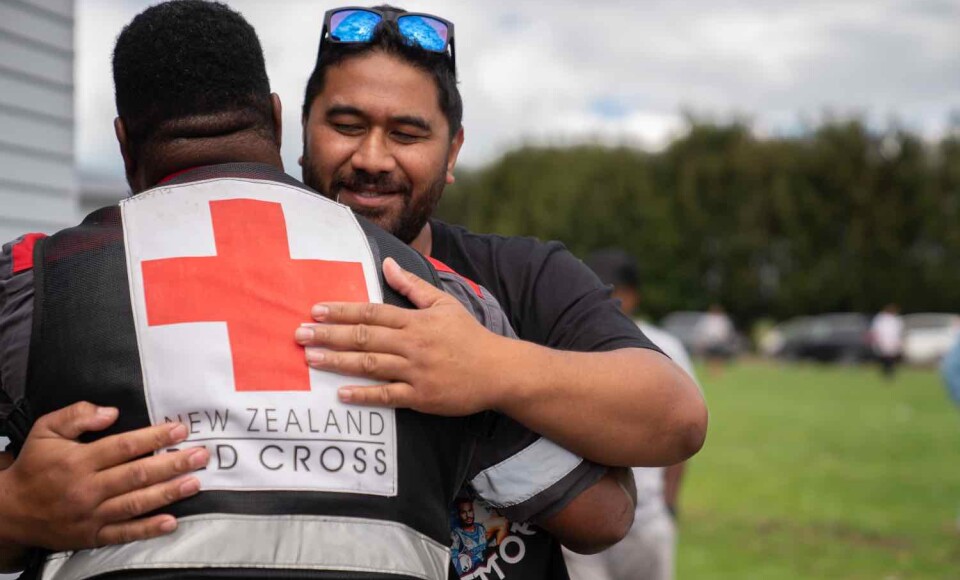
(374, 154)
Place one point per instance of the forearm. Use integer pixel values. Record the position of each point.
(599, 517)
(12, 556)
(626, 407)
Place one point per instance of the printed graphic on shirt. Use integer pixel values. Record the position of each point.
(221, 275)
(487, 546)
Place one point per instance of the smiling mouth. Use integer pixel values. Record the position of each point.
(371, 199)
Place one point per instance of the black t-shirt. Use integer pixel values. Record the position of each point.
(551, 298)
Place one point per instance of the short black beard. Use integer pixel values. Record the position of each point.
(415, 212)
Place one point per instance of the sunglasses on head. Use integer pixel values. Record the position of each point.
(354, 24)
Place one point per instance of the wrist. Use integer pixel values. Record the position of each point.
(491, 377)
(9, 517)
(524, 375)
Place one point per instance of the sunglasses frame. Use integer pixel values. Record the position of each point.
(387, 16)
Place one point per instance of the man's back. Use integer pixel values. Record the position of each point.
(184, 340)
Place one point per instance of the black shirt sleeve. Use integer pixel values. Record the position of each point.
(550, 296)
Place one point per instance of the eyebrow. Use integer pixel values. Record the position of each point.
(344, 110)
(411, 120)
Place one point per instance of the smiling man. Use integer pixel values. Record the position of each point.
(382, 133)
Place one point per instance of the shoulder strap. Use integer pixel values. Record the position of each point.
(408, 258)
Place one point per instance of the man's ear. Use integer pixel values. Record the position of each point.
(129, 163)
(455, 146)
(277, 117)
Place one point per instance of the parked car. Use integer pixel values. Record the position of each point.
(784, 336)
(841, 337)
(684, 325)
(928, 336)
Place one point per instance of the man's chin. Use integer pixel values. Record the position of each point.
(380, 217)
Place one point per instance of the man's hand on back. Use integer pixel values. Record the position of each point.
(438, 359)
(61, 494)
(420, 352)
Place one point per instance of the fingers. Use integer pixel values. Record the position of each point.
(149, 471)
(371, 365)
(355, 337)
(360, 313)
(145, 529)
(142, 501)
(397, 395)
(117, 449)
(72, 421)
(415, 289)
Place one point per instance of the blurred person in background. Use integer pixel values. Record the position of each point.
(950, 371)
(648, 551)
(713, 338)
(886, 335)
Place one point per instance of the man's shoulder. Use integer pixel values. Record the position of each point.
(16, 256)
(495, 257)
(490, 242)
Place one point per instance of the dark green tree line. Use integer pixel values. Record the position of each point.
(836, 219)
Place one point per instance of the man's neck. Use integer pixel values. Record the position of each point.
(423, 243)
(176, 158)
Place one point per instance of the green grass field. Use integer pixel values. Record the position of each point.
(823, 472)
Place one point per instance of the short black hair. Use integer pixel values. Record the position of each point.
(387, 39)
(614, 266)
(188, 58)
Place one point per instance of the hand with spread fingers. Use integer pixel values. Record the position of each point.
(419, 354)
(438, 359)
(62, 494)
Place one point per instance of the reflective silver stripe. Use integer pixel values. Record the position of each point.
(525, 474)
(282, 542)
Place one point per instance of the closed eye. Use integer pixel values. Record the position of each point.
(348, 128)
(405, 137)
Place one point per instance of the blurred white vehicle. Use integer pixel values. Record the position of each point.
(928, 336)
(778, 339)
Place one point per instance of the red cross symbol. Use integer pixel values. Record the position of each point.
(254, 286)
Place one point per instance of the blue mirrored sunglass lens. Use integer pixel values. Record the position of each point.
(353, 25)
(429, 33)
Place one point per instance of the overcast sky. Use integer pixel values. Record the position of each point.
(618, 71)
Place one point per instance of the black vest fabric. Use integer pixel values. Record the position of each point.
(84, 348)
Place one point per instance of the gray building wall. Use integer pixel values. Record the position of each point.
(38, 184)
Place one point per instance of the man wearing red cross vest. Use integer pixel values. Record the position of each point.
(176, 308)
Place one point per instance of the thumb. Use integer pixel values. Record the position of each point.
(414, 288)
(70, 422)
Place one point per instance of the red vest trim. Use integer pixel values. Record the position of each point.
(23, 252)
(440, 266)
